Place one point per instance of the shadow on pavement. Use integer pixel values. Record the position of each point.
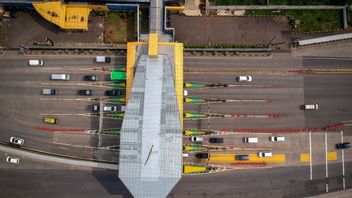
(110, 181)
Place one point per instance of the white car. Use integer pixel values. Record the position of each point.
(16, 140)
(311, 107)
(277, 138)
(185, 155)
(265, 154)
(250, 140)
(196, 139)
(110, 108)
(13, 160)
(244, 78)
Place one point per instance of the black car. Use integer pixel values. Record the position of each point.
(113, 92)
(84, 92)
(202, 155)
(242, 157)
(90, 78)
(93, 108)
(344, 145)
(216, 140)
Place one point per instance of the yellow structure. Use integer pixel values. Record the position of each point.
(67, 16)
(188, 169)
(230, 158)
(178, 60)
(153, 47)
(175, 8)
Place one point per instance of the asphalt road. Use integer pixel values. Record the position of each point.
(51, 178)
(23, 107)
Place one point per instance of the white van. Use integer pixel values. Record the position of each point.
(36, 63)
(60, 77)
(250, 140)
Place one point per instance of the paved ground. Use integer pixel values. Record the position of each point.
(28, 27)
(240, 30)
(24, 107)
(21, 104)
(46, 178)
(340, 49)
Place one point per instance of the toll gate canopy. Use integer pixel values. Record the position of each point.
(151, 133)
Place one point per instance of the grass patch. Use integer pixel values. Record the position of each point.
(238, 2)
(120, 27)
(307, 20)
(225, 46)
(280, 2)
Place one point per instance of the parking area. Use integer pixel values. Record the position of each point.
(31, 27)
(239, 30)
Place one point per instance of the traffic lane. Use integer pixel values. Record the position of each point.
(105, 183)
(284, 122)
(85, 140)
(269, 80)
(326, 62)
(318, 150)
(34, 164)
(44, 141)
(251, 108)
(271, 182)
(251, 93)
(277, 60)
(14, 59)
(332, 93)
(25, 125)
(236, 141)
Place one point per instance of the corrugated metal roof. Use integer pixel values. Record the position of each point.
(151, 134)
(325, 39)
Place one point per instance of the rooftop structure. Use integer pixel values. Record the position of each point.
(151, 134)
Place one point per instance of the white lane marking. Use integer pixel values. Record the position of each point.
(310, 155)
(326, 162)
(82, 146)
(343, 164)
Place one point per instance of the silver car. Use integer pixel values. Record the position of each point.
(13, 160)
(16, 140)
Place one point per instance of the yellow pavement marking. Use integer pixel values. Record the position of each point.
(304, 157)
(230, 158)
(332, 156)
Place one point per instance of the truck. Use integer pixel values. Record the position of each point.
(118, 75)
(103, 59)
